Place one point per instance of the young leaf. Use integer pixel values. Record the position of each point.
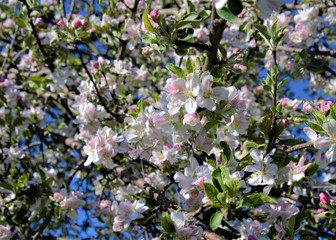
(146, 22)
(227, 15)
(167, 224)
(175, 70)
(216, 220)
(254, 199)
(190, 66)
(212, 192)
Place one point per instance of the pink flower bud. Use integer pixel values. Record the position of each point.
(154, 14)
(240, 66)
(324, 198)
(58, 197)
(95, 65)
(325, 106)
(92, 30)
(61, 23)
(199, 182)
(284, 102)
(307, 107)
(191, 119)
(320, 210)
(236, 51)
(204, 121)
(39, 20)
(285, 122)
(76, 23)
(84, 23)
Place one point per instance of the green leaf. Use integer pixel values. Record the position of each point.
(193, 18)
(232, 187)
(332, 181)
(175, 70)
(316, 127)
(139, 106)
(20, 22)
(226, 149)
(282, 83)
(216, 72)
(216, 220)
(190, 65)
(235, 6)
(299, 218)
(181, 50)
(332, 111)
(254, 199)
(265, 125)
(167, 224)
(58, 212)
(263, 32)
(22, 180)
(146, 21)
(311, 170)
(212, 192)
(211, 124)
(227, 15)
(6, 186)
(319, 117)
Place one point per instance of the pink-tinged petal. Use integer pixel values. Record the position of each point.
(220, 93)
(254, 180)
(191, 105)
(329, 125)
(310, 133)
(322, 142)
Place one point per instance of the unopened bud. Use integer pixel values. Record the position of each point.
(77, 23)
(324, 198)
(154, 14)
(307, 107)
(61, 23)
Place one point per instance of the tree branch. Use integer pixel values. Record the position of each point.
(299, 146)
(215, 35)
(48, 60)
(120, 172)
(211, 236)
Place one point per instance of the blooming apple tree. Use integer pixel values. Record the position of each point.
(139, 119)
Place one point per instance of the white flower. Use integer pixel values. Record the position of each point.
(263, 172)
(5, 233)
(220, 3)
(208, 95)
(329, 141)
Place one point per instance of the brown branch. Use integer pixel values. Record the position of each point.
(278, 192)
(101, 100)
(49, 60)
(197, 45)
(211, 236)
(46, 222)
(159, 197)
(299, 146)
(215, 35)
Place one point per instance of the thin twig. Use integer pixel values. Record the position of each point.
(101, 100)
(299, 146)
